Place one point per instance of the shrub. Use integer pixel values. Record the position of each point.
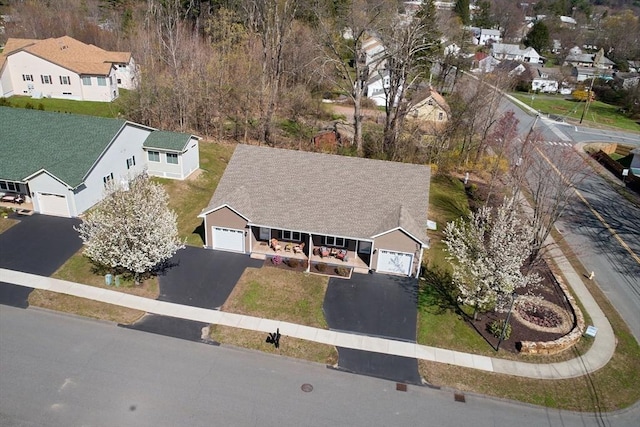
(41, 106)
(495, 328)
(321, 266)
(342, 271)
(28, 106)
(293, 263)
(276, 260)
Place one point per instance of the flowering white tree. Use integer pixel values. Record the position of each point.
(132, 229)
(487, 254)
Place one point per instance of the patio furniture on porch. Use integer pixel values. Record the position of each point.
(13, 198)
(333, 252)
(288, 247)
(324, 251)
(342, 255)
(298, 248)
(275, 245)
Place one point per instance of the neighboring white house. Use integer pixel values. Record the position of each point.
(513, 52)
(544, 85)
(61, 163)
(376, 88)
(487, 35)
(64, 68)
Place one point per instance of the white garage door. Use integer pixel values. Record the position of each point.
(394, 262)
(53, 204)
(228, 239)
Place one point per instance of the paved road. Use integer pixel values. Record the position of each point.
(617, 268)
(93, 373)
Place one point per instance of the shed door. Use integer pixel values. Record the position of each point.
(394, 262)
(228, 239)
(53, 204)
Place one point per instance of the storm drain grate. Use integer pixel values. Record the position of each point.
(401, 387)
(458, 397)
(307, 388)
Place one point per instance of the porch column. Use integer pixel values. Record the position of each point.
(310, 252)
(420, 262)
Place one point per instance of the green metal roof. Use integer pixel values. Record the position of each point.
(165, 140)
(66, 145)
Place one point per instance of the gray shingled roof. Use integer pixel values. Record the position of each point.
(66, 145)
(323, 193)
(165, 140)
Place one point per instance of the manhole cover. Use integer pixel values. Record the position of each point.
(459, 397)
(306, 388)
(401, 387)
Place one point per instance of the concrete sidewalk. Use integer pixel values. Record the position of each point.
(595, 358)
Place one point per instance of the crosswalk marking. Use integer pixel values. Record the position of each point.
(562, 144)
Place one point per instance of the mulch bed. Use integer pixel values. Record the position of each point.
(548, 289)
(301, 265)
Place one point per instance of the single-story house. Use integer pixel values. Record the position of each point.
(483, 63)
(544, 85)
(335, 210)
(585, 73)
(60, 164)
(64, 68)
(513, 52)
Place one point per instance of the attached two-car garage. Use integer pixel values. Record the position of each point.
(228, 239)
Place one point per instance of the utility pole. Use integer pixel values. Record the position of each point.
(597, 60)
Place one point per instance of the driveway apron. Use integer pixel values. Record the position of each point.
(378, 305)
(196, 277)
(38, 244)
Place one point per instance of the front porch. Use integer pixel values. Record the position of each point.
(309, 248)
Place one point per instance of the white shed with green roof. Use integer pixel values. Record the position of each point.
(60, 163)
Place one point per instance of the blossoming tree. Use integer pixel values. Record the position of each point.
(132, 229)
(487, 254)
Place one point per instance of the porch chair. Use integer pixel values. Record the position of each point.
(342, 255)
(275, 245)
(298, 248)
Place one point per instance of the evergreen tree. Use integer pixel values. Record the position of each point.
(538, 37)
(482, 18)
(462, 10)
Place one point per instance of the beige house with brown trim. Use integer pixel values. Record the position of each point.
(430, 109)
(64, 68)
(341, 211)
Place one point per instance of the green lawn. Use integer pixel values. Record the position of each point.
(89, 108)
(599, 112)
(190, 196)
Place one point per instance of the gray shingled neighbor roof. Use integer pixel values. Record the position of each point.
(324, 194)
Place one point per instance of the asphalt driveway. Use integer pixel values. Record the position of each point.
(197, 277)
(378, 305)
(38, 244)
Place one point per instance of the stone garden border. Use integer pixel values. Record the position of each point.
(565, 342)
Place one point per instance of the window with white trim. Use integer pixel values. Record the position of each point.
(102, 81)
(65, 80)
(291, 235)
(131, 162)
(172, 158)
(9, 186)
(46, 80)
(334, 241)
(154, 156)
(107, 179)
(27, 77)
(86, 80)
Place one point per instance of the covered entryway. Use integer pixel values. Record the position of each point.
(53, 204)
(394, 262)
(228, 239)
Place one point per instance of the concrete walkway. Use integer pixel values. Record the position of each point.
(598, 355)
